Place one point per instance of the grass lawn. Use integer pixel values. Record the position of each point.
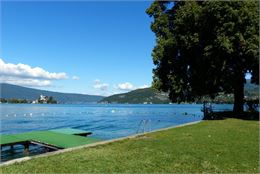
(228, 146)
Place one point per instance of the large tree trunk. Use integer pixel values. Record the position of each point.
(239, 94)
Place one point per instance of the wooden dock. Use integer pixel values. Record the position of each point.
(55, 139)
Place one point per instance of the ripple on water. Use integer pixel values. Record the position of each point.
(24, 121)
(94, 118)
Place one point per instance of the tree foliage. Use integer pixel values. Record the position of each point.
(205, 47)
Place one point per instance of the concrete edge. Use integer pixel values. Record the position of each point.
(91, 145)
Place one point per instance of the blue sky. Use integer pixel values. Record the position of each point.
(81, 47)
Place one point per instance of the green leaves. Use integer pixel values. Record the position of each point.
(216, 40)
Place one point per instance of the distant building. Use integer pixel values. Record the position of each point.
(42, 99)
(34, 101)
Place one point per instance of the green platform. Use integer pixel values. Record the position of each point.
(59, 138)
(71, 131)
(10, 139)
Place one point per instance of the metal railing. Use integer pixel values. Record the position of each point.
(144, 126)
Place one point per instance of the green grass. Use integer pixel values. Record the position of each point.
(227, 146)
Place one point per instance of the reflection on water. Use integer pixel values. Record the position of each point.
(8, 153)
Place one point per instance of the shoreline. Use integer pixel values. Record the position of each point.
(92, 145)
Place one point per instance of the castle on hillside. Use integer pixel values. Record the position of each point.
(42, 99)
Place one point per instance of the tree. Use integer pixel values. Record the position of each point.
(51, 100)
(205, 47)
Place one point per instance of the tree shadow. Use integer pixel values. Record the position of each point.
(254, 116)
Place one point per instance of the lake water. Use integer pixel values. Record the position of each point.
(105, 121)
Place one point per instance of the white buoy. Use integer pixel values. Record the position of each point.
(113, 111)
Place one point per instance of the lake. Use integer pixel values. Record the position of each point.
(105, 121)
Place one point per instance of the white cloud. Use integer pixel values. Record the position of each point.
(25, 75)
(126, 86)
(99, 85)
(75, 78)
(143, 86)
(26, 71)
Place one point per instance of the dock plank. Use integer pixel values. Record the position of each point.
(70, 131)
(9, 139)
(52, 138)
(59, 139)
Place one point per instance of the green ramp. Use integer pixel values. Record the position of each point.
(54, 138)
(71, 131)
(11, 139)
(59, 140)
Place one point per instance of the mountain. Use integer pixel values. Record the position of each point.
(9, 91)
(251, 90)
(149, 95)
(146, 95)
(139, 96)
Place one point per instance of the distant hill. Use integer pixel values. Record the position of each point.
(139, 96)
(149, 95)
(9, 91)
(251, 90)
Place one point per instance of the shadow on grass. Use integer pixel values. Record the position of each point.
(230, 114)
